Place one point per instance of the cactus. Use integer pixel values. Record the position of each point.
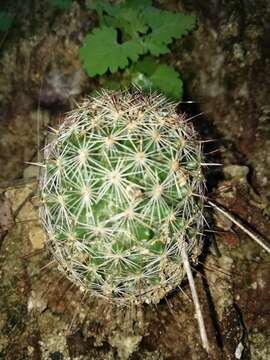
(122, 192)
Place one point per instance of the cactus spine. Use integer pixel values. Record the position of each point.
(122, 193)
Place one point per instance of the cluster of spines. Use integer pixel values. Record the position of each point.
(122, 192)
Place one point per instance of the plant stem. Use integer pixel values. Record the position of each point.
(242, 227)
(195, 298)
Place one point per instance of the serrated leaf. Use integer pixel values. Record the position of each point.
(129, 20)
(167, 79)
(148, 74)
(142, 28)
(101, 51)
(145, 66)
(5, 21)
(165, 26)
(100, 6)
(127, 16)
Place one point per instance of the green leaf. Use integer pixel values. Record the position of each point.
(149, 74)
(101, 6)
(101, 51)
(146, 66)
(5, 21)
(168, 80)
(165, 26)
(128, 29)
(129, 20)
(61, 4)
(127, 16)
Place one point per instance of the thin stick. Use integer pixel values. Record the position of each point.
(211, 164)
(34, 163)
(242, 227)
(195, 299)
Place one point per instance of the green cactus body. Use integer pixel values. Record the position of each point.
(122, 192)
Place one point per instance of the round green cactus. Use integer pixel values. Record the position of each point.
(122, 193)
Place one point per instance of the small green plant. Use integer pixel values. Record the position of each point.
(122, 194)
(5, 21)
(130, 36)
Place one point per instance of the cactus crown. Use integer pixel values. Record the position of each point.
(122, 192)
